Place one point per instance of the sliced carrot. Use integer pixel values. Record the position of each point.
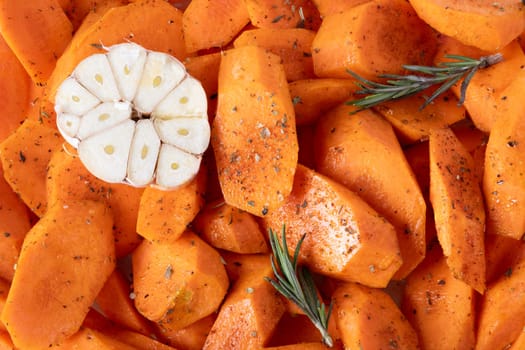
(79, 11)
(345, 238)
(205, 68)
(301, 346)
(67, 179)
(419, 159)
(153, 24)
(136, 340)
(14, 225)
(368, 318)
(4, 290)
(249, 314)
(314, 97)
(503, 184)
(5, 341)
(274, 14)
(501, 311)
(243, 264)
(459, 212)
(486, 97)
(178, 283)
(292, 45)
(414, 124)
(15, 89)
(164, 215)
(253, 134)
(204, 23)
(502, 253)
(115, 303)
(348, 150)
(376, 37)
(88, 339)
(24, 157)
(64, 262)
(229, 228)
(485, 24)
(37, 32)
(328, 7)
(440, 307)
(191, 337)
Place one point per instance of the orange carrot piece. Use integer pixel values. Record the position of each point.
(368, 318)
(503, 184)
(485, 24)
(501, 311)
(37, 32)
(292, 45)
(178, 283)
(24, 157)
(275, 14)
(5, 341)
(115, 303)
(64, 262)
(348, 150)
(253, 134)
(459, 212)
(136, 340)
(153, 24)
(418, 158)
(205, 68)
(414, 124)
(301, 346)
(88, 339)
(80, 10)
(4, 290)
(440, 307)
(345, 238)
(204, 23)
(68, 179)
(329, 7)
(249, 314)
(487, 97)
(502, 254)
(191, 337)
(243, 264)
(229, 228)
(314, 97)
(373, 38)
(164, 215)
(14, 87)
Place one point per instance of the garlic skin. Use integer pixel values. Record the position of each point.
(135, 116)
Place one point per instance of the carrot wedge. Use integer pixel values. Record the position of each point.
(485, 24)
(368, 318)
(459, 212)
(88, 339)
(253, 134)
(440, 307)
(65, 260)
(345, 238)
(38, 32)
(348, 151)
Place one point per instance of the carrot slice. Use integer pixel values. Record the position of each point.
(25, 155)
(87, 339)
(345, 238)
(229, 228)
(178, 283)
(502, 253)
(376, 37)
(80, 12)
(459, 212)
(164, 215)
(249, 314)
(253, 134)
(4, 290)
(314, 97)
(348, 151)
(5, 341)
(440, 307)
(191, 337)
(37, 32)
(368, 318)
(292, 45)
(274, 14)
(204, 23)
(65, 260)
(328, 7)
(485, 24)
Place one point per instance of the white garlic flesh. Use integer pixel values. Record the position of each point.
(135, 116)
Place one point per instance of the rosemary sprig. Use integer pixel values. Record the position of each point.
(296, 284)
(445, 74)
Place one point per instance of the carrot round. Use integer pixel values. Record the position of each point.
(65, 260)
(485, 24)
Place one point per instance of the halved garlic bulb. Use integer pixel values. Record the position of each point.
(135, 116)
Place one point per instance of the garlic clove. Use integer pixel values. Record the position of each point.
(127, 62)
(188, 99)
(105, 154)
(95, 74)
(175, 167)
(73, 98)
(102, 117)
(68, 125)
(143, 154)
(189, 134)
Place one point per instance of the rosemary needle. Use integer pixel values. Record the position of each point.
(444, 75)
(296, 284)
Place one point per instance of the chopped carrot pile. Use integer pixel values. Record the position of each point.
(409, 220)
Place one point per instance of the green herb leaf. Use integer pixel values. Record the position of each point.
(444, 75)
(297, 284)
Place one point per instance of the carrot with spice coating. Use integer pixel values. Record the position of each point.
(253, 134)
(276, 14)
(65, 260)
